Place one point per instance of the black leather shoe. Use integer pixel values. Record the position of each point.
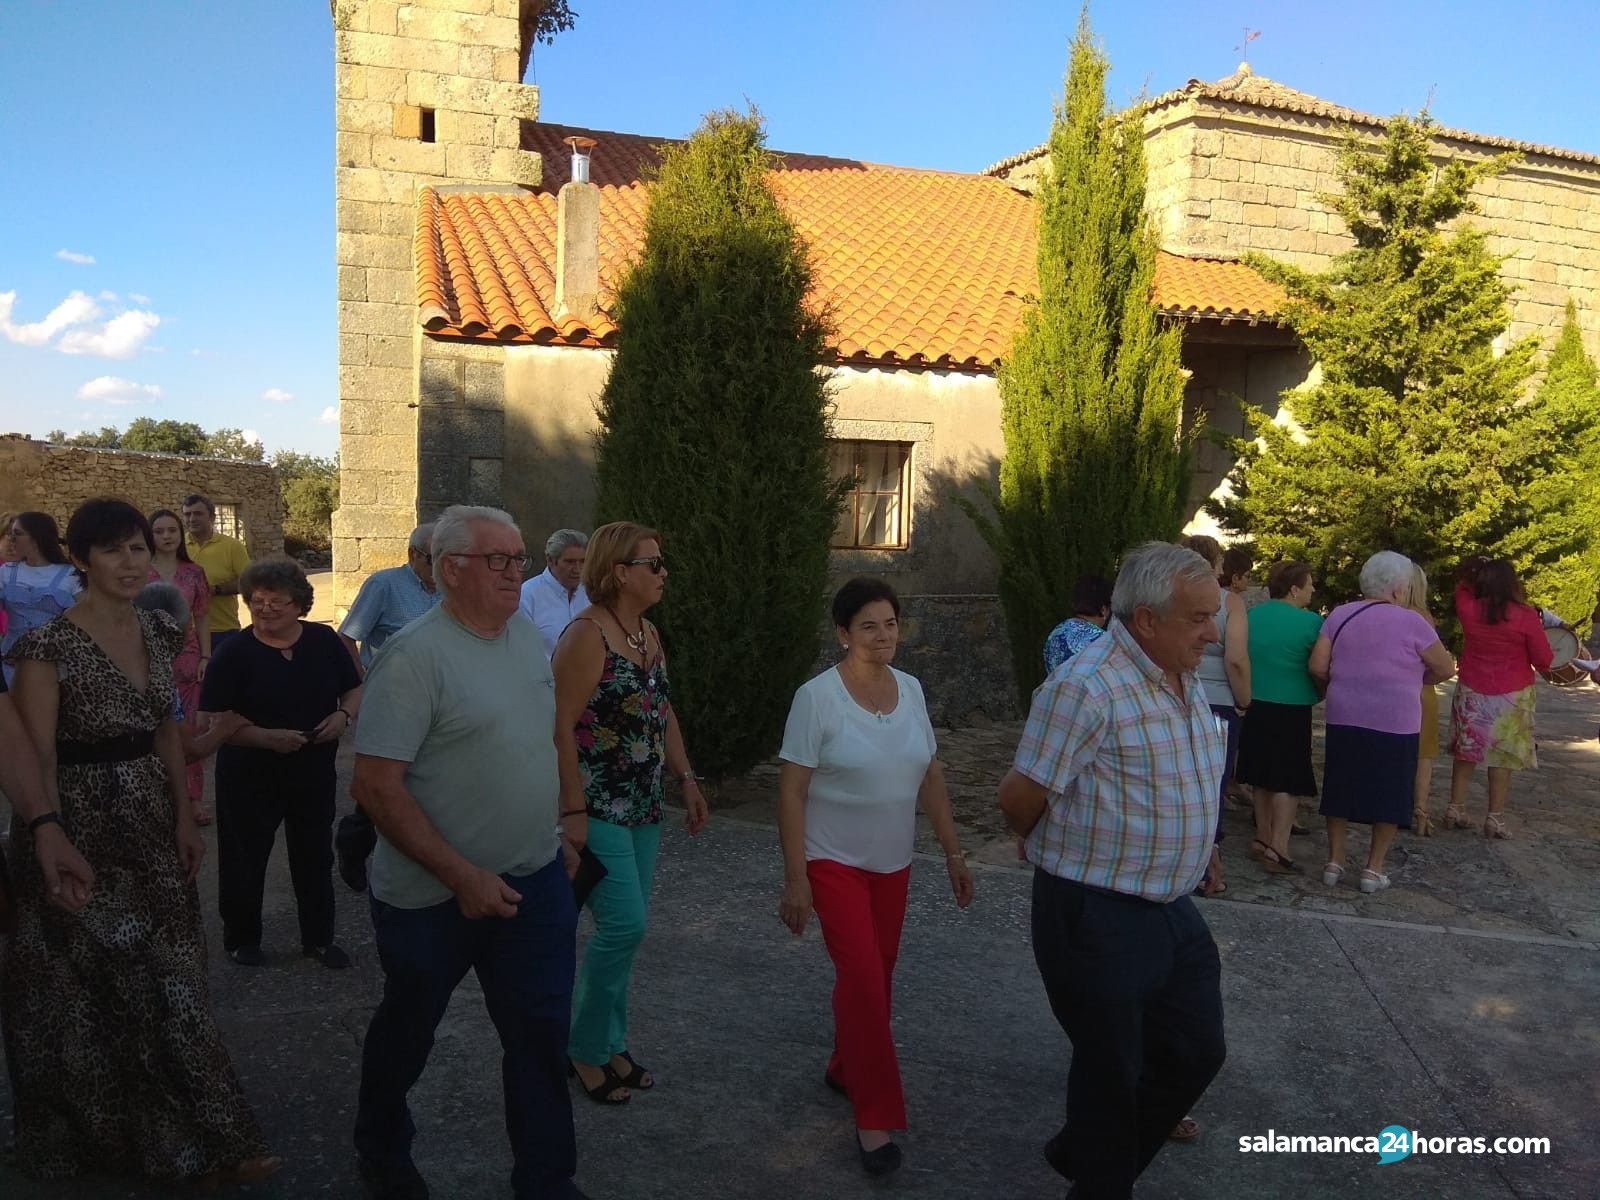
(1055, 1153)
(381, 1182)
(331, 957)
(247, 956)
(884, 1159)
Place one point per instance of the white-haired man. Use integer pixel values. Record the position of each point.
(455, 763)
(555, 595)
(1116, 786)
(388, 601)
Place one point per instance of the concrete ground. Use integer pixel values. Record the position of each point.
(1340, 1022)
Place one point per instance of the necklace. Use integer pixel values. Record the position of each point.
(637, 642)
(877, 709)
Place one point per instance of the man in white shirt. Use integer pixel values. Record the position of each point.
(555, 595)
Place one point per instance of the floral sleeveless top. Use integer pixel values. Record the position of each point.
(622, 738)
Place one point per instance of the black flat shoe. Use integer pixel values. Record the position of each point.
(247, 956)
(1055, 1153)
(833, 1084)
(380, 1182)
(331, 957)
(884, 1159)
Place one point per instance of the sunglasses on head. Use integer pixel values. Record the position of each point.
(654, 562)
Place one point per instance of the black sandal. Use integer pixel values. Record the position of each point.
(634, 1079)
(604, 1091)
(1271, 860)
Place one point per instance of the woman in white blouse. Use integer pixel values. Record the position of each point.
(858, 757)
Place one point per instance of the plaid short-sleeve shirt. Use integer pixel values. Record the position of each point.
(1133, 769)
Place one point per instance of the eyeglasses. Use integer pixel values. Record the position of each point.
(265, 605)
(499, 562)
(655, 562)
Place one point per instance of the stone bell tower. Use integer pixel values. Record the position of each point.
(428, 93)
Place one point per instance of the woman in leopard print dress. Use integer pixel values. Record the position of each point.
(116, 1061)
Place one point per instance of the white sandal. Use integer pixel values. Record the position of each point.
(1331, 874)
(1494, 826)
(1373, 881)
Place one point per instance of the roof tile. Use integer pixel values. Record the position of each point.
(916, 268)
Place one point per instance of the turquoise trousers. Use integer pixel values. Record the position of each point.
(620, 903)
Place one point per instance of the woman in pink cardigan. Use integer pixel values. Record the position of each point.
(1491, 719)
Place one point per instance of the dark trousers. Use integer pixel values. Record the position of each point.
(252, 801)
(1136, 985)
(526, 965)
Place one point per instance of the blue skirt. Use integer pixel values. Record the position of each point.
(1369, 776)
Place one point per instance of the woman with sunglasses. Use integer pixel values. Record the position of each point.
(38, 583)
(615, 736)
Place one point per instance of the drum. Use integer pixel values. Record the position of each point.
(1564, 647)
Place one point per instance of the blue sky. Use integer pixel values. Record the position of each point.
(186, 148)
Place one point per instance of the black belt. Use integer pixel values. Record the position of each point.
(106, 750)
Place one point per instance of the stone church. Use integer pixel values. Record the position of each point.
(477, 249)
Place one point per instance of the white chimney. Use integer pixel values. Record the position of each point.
(578, 239)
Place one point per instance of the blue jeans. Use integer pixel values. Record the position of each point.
(525, 964)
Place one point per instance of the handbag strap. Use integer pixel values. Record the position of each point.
(1345, 624)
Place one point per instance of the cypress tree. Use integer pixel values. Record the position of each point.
(713, 429)
(1570, 393)
(1092, 392)
(1419, 435)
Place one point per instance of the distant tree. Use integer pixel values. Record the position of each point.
(310, 489)
(1420, 434)
(1092, 391)
(109, 438)
(231, 443)
(713, 428)
(164, 437)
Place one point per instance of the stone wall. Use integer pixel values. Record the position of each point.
(56, 479)
(1229, 178)
(426, 93)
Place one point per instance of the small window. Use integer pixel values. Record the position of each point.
(878, 507)
(428, 133)
(230, 521)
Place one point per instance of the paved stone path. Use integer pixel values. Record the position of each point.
(1473, 1016)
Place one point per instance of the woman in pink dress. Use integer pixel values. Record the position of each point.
(170, 563)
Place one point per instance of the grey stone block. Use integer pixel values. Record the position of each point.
(485, 385)
(442, 475)
(440, 381)
(475, 433)
(483, 481)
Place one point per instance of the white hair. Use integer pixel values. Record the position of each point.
(421, 539)
(563, 540)
(1385, 573)
(1149, 577)
(452, 532)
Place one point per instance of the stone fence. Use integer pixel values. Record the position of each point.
(56, 479)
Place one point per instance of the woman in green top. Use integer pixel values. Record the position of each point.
(1275, 745)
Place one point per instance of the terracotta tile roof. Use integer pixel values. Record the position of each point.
(1214, 288)
(1246, 87)
(916, 268)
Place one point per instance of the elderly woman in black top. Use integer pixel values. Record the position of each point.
(298, 688)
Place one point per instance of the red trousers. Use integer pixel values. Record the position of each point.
(861, 913)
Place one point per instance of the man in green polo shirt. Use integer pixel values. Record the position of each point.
(222, 558)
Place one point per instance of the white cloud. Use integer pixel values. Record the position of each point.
(120, 337)
(277, 396)
(74, 310)
(138, 297)
(109, 297)
(113, 389)
(74, 256)
(330, 415)
(250, 436)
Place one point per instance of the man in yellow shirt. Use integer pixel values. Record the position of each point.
(223, 559)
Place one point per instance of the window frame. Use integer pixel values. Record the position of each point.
(853, 499)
